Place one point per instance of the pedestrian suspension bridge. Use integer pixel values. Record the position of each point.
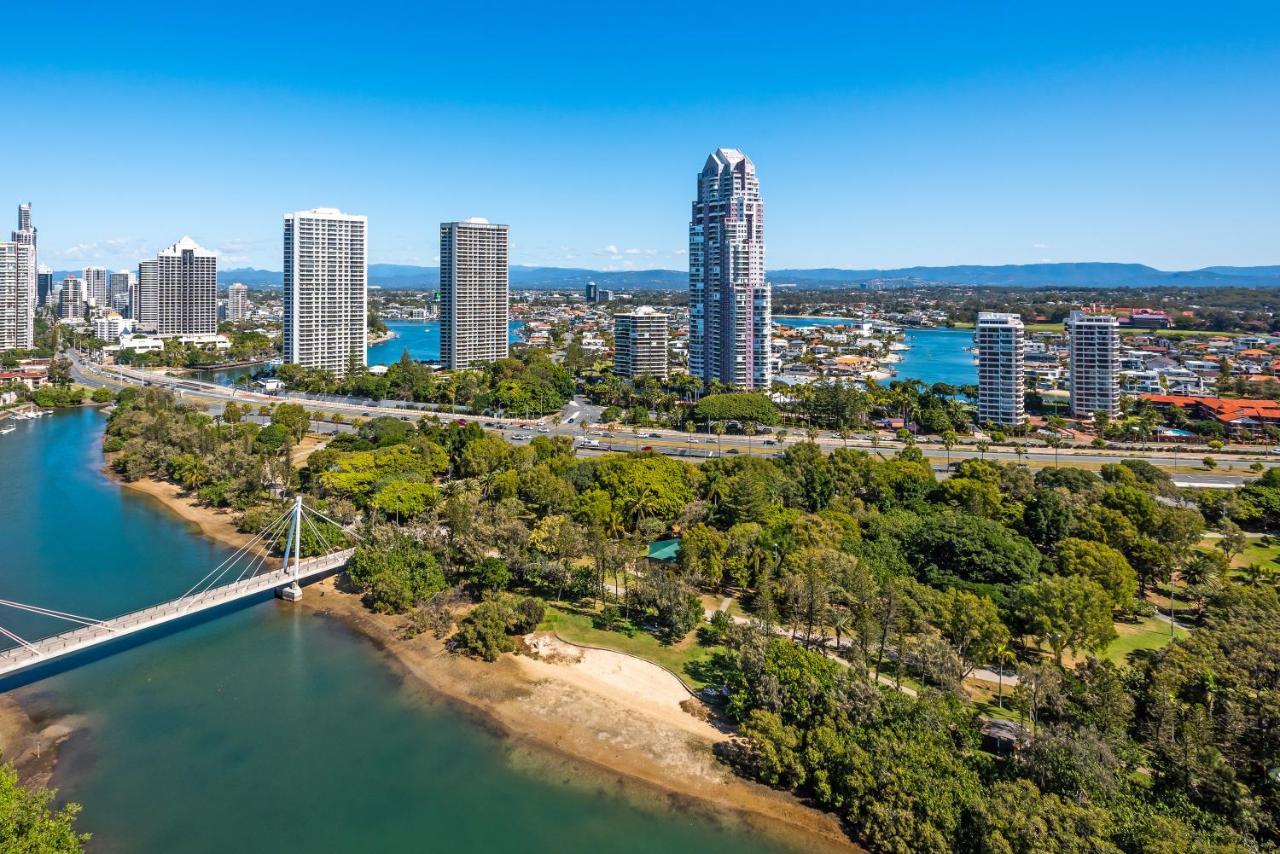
(246, 573)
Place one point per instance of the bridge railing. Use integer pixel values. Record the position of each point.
(174, 608)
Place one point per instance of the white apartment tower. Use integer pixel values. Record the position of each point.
(1001, 386)
(1093, 348)
(95, 286)
(71, 299)
(186, 290)
(237, 302)
(729, 299)
(326, 290)
(474, 292)
(18, 285)
(640, 343)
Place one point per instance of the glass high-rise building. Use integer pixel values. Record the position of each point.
(326, 290)
(475, 297)
(729, 300)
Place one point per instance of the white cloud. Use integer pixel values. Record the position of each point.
(1039, 245)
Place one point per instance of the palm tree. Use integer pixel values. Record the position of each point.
(718, 429)
(782, 435)
(840, 620)
(949, 441)
(983, 447)
(1003, 655)
(750, 430)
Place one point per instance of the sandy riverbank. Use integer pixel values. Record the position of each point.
(608, 713)
(31, 742)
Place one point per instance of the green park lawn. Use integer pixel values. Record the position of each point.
(1148, 634)
(576, 627)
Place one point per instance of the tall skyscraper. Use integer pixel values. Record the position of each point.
(237, 302)
(729, 299)
(186, 287)
(1001, 385)
(95, 286)
(640, 343)
(18, 285)
(326, 289)
(145, 307)
(44, 285)
(474, 292)
(120, 290)
(1093, 349)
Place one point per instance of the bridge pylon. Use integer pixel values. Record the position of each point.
(292, 591)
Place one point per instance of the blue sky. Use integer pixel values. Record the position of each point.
(938, 134)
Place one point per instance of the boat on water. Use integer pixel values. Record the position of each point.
(9, 428)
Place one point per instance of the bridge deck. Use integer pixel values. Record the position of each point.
(56, 646)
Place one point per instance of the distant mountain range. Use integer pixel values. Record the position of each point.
(1085, 274)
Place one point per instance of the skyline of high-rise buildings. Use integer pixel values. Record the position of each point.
(95, 286)
(730, 303)
(326, 289)
(475, 295)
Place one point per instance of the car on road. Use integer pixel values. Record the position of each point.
(655, 435)
(488, 423)
(647, 448)
(732, 451)
(544, 429)
(770, 442)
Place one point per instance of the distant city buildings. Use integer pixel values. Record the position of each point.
(640, 343)
(999, 338)
(474, 292)
(1093, 356)
(18, 285)
(596, 294)
(729, 299)
(44, 286)
(186, 290)
(238, 302)
(95, 286)
(71, 301)
(120, 290)
(326, 290)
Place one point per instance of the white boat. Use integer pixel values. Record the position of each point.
(6, 430)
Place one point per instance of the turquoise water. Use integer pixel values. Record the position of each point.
(421, 338)
(936, 355)
(268, 729)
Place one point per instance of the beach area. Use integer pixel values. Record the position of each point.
(585, 717)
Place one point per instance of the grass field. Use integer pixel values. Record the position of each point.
(1256, 552)
(1148, 634)
(577, 628)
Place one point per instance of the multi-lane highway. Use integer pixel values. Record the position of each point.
(577, 420)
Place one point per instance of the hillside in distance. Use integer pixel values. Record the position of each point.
(1082, 274)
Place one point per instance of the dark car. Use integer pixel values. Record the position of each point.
(647, 448)
(655, 435)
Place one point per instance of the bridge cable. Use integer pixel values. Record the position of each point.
(12, 636)
(62, 615)
(331, 522)
(262, 555)
(233, 556)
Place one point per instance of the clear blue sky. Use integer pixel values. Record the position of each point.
(938, 134)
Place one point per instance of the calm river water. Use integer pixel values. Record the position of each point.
(268, 729)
